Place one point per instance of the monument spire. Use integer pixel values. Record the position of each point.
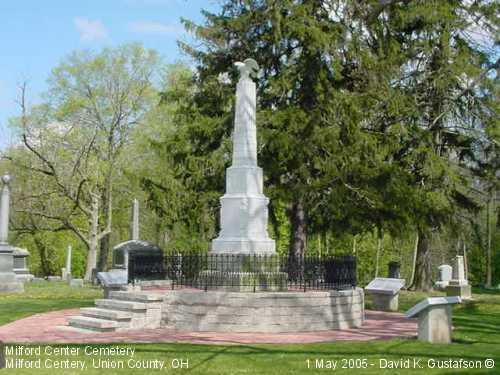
(8, 279)
(244, 212)
(4, 210)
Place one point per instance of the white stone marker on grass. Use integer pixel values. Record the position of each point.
(458, 285)
(434, 318)
(445, 275)
(385, 292)
(66, 271)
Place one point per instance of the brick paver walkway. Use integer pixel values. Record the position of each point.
(51, 328)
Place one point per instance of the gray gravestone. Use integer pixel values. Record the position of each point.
(112, 280)
(434, 318)
(21, 265)
(8, 281)
(385, 293)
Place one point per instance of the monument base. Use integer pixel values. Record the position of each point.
(243, 246)
(243, 281)
(385, 302)
(441, 285)
(463, 291)
(269, 312)
(434, 324)
(8, 281)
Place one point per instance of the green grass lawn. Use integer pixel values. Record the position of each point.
(476, 338)
(45, 296)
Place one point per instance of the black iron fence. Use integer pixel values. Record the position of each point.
(247, 272)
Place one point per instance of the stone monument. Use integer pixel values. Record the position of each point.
(66, 271)
(244, 212)
(385, 293)
(434, 319)
(445, 274)
(8, 280)
(458, 285)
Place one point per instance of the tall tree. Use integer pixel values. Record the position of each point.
(76, 139)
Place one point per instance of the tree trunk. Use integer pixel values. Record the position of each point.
(377, 257)
(298, 237)
(488, 245)
(422, 280)
(93, 238)
(42, 252)
(104, 242)
(414, 263)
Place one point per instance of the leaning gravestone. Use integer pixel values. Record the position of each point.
(385, 292)
(434, 319)
(458, 285)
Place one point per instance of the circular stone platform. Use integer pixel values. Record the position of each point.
(52, 327)
(270, 312)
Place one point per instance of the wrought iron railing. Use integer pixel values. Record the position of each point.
(247, 272)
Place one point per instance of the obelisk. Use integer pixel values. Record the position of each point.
(134, 226)
(244, 212)
(8, 281)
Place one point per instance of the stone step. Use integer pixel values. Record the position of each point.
(115, 304)
(136, 296)
(108, 314)
(94, 324)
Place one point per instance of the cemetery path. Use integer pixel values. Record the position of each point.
(52, 327)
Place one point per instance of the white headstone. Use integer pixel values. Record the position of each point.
(445, 274)
(244, 212)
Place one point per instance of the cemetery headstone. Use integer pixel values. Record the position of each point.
(445, 274)
(54, 278)
(385, 293)
(394, 270)
(21, 265)
(434, 318)
(8, 281)
(458, 285)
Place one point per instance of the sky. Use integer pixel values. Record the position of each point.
(35, 35)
